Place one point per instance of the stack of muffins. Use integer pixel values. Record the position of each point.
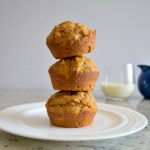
(74, 75)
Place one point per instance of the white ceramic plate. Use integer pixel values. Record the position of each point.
(31, 120)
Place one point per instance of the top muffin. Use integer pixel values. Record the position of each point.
(69, 39)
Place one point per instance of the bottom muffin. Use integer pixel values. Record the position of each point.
(71, 109)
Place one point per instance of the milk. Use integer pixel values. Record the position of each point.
(120, 90)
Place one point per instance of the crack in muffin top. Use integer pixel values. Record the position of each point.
(71, 98)
(76, 64)
(67, 31)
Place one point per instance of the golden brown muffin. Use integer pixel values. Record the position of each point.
(71, 109)
(70, 39)
(74, 74)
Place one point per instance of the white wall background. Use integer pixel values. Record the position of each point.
(123, 35)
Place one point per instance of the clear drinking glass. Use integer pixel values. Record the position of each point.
(118, 82)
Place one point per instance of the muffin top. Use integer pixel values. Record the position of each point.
(68, 31)
(74, 64)
(72, 101)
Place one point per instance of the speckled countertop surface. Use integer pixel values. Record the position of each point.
(137, 141)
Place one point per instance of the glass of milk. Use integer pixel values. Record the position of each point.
(118, 81)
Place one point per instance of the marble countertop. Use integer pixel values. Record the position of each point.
(136, 141)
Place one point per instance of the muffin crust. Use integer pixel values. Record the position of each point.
(74, 74)
(71, 109)
(69, 39)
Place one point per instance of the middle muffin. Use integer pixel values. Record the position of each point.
(74, 74)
